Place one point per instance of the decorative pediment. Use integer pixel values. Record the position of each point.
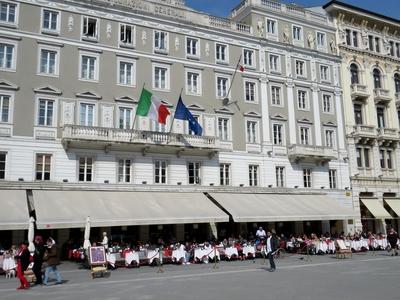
(305, 121)
(7, 85)
(252, 114)
(127, 99)
(195, 107)
(329, 124)
(88, 94)
(278, 117)
(47, 89)
(224, 110)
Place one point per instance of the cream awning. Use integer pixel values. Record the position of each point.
(376, 208)
(14, 212)
(282, 207)
(69, 209)
(394, 204)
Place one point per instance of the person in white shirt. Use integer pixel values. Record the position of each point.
(105, 241)
(272, 246)
(260, 234)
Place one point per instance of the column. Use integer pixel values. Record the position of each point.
(291, 113)
(317, 118)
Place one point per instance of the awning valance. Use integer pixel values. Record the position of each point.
(282, 207)
(376, 208)
(395, 205)
(14, 212)
(69, 209)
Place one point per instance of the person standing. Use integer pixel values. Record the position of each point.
(260, 234)
(38, 259)
(392, 238)
(104, 242)
(52, 259)
(272, 246)
(23, 259)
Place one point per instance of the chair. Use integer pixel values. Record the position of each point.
(342, 250)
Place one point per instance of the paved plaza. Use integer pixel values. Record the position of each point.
(365, 276)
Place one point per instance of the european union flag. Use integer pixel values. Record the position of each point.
(182, 113)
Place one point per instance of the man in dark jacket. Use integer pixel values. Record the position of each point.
(53, 259)
(38, 259)
(392, 238)
(272, 247)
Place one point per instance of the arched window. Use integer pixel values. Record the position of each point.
(397, 82)
(354, 74)
(377, 79)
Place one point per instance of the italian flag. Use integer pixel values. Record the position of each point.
(150, 105)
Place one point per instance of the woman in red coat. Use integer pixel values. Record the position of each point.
(23, 260)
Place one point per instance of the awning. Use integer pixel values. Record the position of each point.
(69, 209)
(282, 207)
(376, 208)
(14, 212)
(394, 204)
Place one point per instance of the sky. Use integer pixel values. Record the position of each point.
(222, 8)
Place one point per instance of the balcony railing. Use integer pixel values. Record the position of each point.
(304, 152)
(113, 135)
(359, 92)
(381, 96)
(388, 133)
(365, 130)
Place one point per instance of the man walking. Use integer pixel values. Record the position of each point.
(392, 238)
(272, 246)
(53, 259)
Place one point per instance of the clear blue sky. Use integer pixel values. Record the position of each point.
(222, 8)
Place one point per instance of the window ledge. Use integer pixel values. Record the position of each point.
(50, 32)
(161, 51)
(222, 62)
(192, 57)
(127, 46)
(90, 39)
(8, 25)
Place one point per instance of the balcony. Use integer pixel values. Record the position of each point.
(311, 153)
(381, 96)
(74, 136)
(388, 134)
(359, 92)
(364, 133)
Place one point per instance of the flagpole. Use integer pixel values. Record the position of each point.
(173, 119)
(134, 118)
(233, 78)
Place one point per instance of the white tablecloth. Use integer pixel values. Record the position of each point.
(177, 255)
(202, 253)
(153, 254)
(249, 250)
(130, 257)
(111, 258)
(229, 252)
(9, 264)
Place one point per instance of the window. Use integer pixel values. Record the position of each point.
(377, 78)
(391, 47)
(304, 135)
(397, 82)
(126, 35)
(321, 40)
(355, 39)
(324, 73)
(332, 179)
(89, 27)
(348, 37)
(189, 131)
(371, 43)
(250, 91)
(5, 108)
(50, 20)
(194, 172)
(363, 157)
(366, 157)
(192, 47)
(359, 157)
(7, 56)
(351, 38)
(161, 78)
(48, 62)
(43, 165)
(8, 12)
(85, 169)
(358, 118)
(330, 138)
(126, 73)
(253, 175)
(278, 134)
(307, 178)
(380, 115)
(300, 68)
(382, 158)
(160, 172)
(222, 87)
(251, 127)
(224, 174)
(125, 118)
(280, 176)
(274, 63)
(3, 165)
(327, 106)
(223, 129)
(389, 162)
(398, 49)
(160, 41)
(193, 83)
(88, 68)
(297, 33)
(271, 27)
(377, 45)
(221, 53)
(45, 112)
(386, 159)
(158, 127)
(124, 170)
(86, 114)
(302, 99)
(354, 74)
(248, 57)
(276, 96)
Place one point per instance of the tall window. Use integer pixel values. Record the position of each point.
(125, 73)
(222, 87)
(278, 134)
(160, 172)
(332, 179)
(161, 80)
(297, 33)
(253, 175)
(327, 106)
(3, 157)
(380, 115)
(382, 158)
(7, 56)
(321, 39)
(125, 118)
(90, 27)
(45, 112)
(355, 38)
(192, 47)
(389, 159)
(197, 118)
(348, 37)
(271, 27)
(251, 127)
(158, 127)
(300, 68)
(7, 12)
(250, 91)
(221, 53)
(302, 99)
(274, 62)
(193, 83)
(223, 129)
(124, 170)
(248, 57)
(160, 41)
(330, 138)
(358, 117)
(86, 114)
(386, 158)
(276, 96)
(88, 67)
(307, 183)
(224, 174)
(126, 36)
(324, 73)
(50, 20)
(354, 74)
(377, 45)
(48, 61)
(397, 82)
(363, 157)
(280, 176)
(377, 79)
(85, 169)
(43, 165)
(371, 43)
(4, 108)
(194, 172)
(391, 46)
(304, 135)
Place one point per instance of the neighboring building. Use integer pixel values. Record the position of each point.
(369, 45)
(71, 76)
